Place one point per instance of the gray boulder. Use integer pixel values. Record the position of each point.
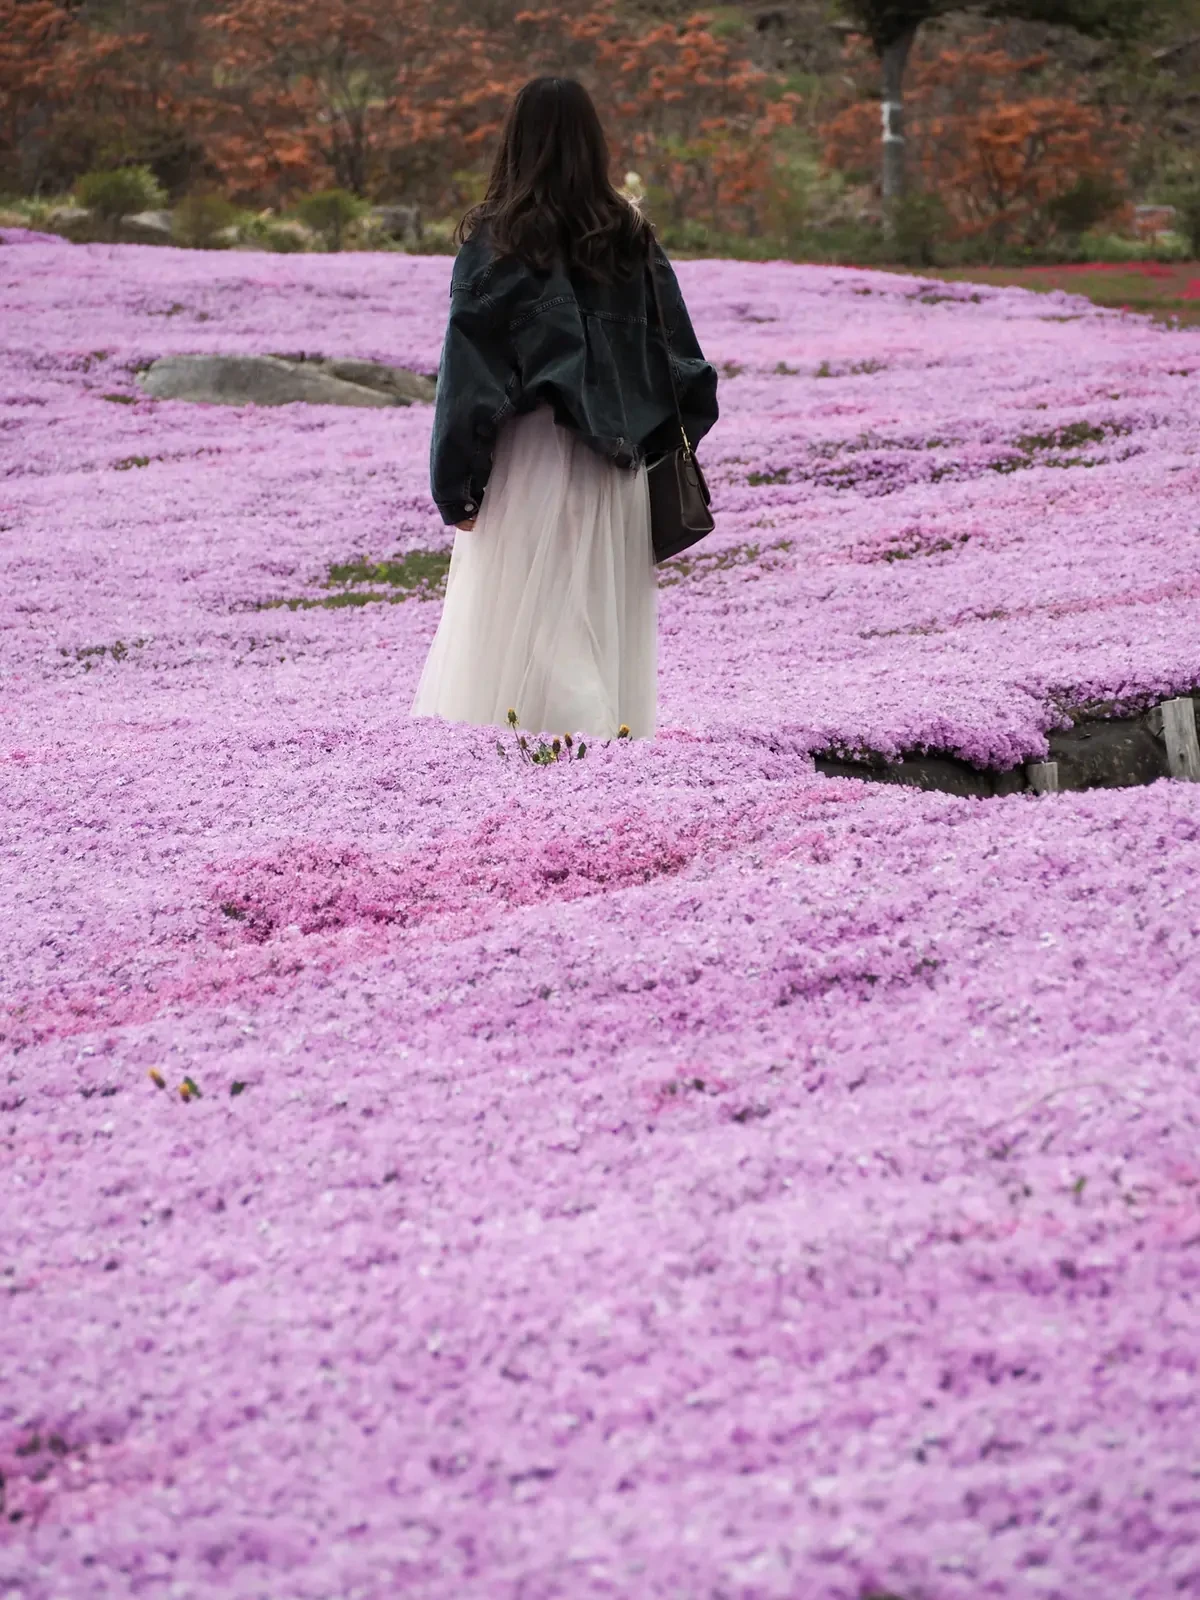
(72, 222)
(402, 223)
(403, 386)
(146, 227)
(80, 224)
(68, 216)
(255, 381)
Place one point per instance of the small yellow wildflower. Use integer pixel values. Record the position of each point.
(623, 731)
(512, 717)
(156, 1078)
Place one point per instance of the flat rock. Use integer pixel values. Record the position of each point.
(80, 224)
(146, 227)
(68, 216)
(71, 222)
(257, 381)
(403, 385)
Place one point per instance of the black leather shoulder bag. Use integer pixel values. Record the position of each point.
(679, 497)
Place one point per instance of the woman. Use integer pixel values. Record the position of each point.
(553, 391)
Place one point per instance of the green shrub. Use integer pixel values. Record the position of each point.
(122, 192)
(1116, 247)
(1188, 206)
(1094, 197)
(689, 237)
(284, 238)
(1184, 195)
(330, 213)
(918, 224)
(437, 239)
(203, 221)
(265, 231)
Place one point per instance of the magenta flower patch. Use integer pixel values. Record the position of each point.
(669, 1174)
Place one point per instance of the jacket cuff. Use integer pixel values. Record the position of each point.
(455, 511)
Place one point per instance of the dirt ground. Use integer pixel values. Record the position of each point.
(1169, 292)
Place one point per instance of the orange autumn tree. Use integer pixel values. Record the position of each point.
(31, 35)
(699, 121)
(131, 84)
(996, 140)
(367, 95)
(75, 93)
(388, 99)
(683, 108)
(268, 99)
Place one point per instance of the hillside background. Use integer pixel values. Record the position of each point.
(752, 127)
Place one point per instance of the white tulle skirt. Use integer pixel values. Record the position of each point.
(551, 602)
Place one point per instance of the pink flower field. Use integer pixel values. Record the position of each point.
(675, 1175)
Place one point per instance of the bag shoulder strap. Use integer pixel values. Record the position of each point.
(662, 324)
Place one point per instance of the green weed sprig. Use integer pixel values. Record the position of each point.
(541, 754)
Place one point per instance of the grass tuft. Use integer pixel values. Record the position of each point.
(852, 369)
(90, 655)
(1068, 438)
(419, 569)
(419, 574)
(703, 562)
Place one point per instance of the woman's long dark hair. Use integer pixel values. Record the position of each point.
(550, 196)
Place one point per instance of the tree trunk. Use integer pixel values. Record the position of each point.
(356, 148)
(894, 58)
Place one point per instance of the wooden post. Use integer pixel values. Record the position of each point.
(1179, 735)
(1043, 776)
(894, 58)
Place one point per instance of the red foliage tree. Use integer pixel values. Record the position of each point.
(32, 84)
(349, 92)
(270, 98)
(683, 107)
(997, 141)
(74, 94)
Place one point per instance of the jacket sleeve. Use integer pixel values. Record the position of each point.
(471, 402)
(697, 377)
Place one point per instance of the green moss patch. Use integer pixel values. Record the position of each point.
(1059, 447)
(849, 369)
(908, 546)
(418, 570)
(1071, 437)
(702, 562)
(91, 655)
(419, 574)
(1062, 447)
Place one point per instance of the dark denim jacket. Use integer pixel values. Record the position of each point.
(518, 339)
